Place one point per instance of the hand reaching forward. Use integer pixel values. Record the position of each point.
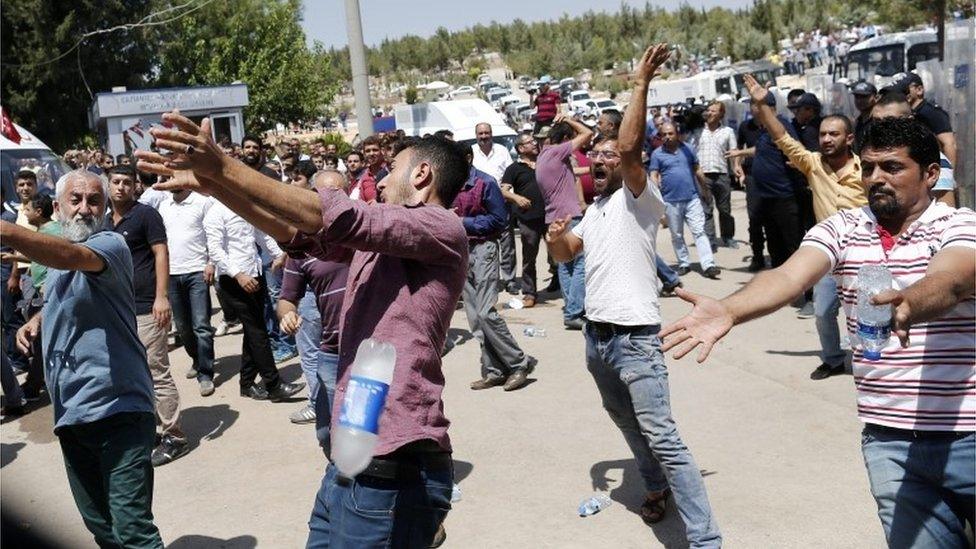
(653, 58)
(708, 322)
(557, 228)
(192, 148)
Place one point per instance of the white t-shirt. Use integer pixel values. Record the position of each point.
(185, 234)
(494, 163)
(619, 235)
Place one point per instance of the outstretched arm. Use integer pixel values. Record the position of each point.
(632, 127)
(765, 114)
(51, 251)
(711, 319)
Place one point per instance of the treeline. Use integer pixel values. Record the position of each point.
(50, 70)
(598, 40)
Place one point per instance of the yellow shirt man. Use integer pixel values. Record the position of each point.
(832, 191)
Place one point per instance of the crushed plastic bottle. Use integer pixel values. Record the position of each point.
(354, 439)
(455, 493)
(515, 303)
(594, 504)
(873, 321)
(532, 331)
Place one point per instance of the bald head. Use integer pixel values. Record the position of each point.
(329, 179)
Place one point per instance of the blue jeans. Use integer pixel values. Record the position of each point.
(689, 211)
(327, 374)
(189, 297)
(366, 512)
(572, 281)
(280, 342)
(630, 374)
(924, 488)
(826, 305)
(665, 272)
(12, 321)
(307, 340)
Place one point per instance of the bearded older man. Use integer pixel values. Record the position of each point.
(103, 402)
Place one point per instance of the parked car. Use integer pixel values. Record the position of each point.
(463, 91)
(606, 105)
(577, 96)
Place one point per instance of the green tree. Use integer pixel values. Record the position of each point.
(46, 79)
(258, 42)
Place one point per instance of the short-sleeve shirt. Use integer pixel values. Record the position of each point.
(934, 117)
(547, 105)
(554, 174)
(522, 179)
(38, 272)
(327, 279)
(712, 146)
(619, 234)
(95, 366)
(931, 384)
(946, 181)
(774, 179)
(141, 226)
(677, 171)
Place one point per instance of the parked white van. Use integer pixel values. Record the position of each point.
(459, 116)
(29, 154)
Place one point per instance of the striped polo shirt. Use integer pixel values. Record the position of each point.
(931, 384)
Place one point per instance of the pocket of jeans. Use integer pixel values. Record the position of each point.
(373, 497)
(646, 348)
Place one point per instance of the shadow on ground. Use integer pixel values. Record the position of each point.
(8, 452)
(461, 470)
(630, 493)
(455, 338)
(202, 542)
(207, 422)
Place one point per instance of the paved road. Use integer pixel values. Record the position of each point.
(780, 453)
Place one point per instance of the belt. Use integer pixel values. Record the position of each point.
(913, 434)
(406, 466)
(609, 328)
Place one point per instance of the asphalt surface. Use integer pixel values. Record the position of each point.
(779, 453)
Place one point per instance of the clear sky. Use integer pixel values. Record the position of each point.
(325, 20)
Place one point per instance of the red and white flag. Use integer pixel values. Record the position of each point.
(7, 128)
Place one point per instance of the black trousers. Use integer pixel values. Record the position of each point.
(757, 238)
(256, 354)
(530, 233)
(780, 218)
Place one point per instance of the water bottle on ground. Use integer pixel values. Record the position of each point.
(515, 303)
(594, 504)
(532, 331)
(354, 439)
(455, 493)
(873, 321)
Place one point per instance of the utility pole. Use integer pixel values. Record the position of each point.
(357, 65)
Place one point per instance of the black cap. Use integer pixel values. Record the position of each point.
(806, 100)
(864, 88)
(911, 78)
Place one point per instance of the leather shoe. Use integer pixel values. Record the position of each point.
(574, 324)
(285, 390)
(487, 383)
(513, 288)
(517, 380)
(254, 391)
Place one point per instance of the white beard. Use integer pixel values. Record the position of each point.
(80, 228)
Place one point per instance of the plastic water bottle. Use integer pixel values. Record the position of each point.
(515, 303)
(873, 321)
(455, 493)
(532, 331)
(354, 439)
(594, 504)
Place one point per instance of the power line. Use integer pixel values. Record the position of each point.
(144, 22)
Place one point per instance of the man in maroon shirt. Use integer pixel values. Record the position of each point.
(546, 104)
(404, 280)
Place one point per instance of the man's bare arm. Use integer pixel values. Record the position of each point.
(583, 133)
(770, 290)
(52, 251)
(947, 142)
(632, 127)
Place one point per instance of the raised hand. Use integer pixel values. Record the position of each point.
(557, 228)
(651, 61)
(708, 321)
(755, 89)
(192, 147)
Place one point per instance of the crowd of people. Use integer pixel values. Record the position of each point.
(311, 253)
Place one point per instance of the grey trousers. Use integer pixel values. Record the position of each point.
(153, 338)
(500, 354)
(506, 252)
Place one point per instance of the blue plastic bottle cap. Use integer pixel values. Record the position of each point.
(872, 355)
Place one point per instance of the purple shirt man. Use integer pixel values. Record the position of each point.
(554, 173)
(327, 279)
(404, 280)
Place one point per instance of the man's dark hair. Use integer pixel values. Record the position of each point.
(43, 204)
(27, 174)
(561, 132)
(119, 157)
(446, 159)
(306, 168)
(615, 118)
(794, 93)
(847, 121)
(123, 170)
(891, 97)
(893, 133)
(374, 139)
(357, 153)
(253, 139)
(329, 157)
(444, 134)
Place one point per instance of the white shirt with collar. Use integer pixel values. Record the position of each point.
(493, 163)
(231, 242)
(185, 233)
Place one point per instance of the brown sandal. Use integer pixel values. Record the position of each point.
(653, 509)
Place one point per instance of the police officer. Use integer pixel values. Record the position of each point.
(865, 96)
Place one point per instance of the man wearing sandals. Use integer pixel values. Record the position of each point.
(623, 352)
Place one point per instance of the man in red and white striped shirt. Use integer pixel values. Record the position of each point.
(918, 402)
